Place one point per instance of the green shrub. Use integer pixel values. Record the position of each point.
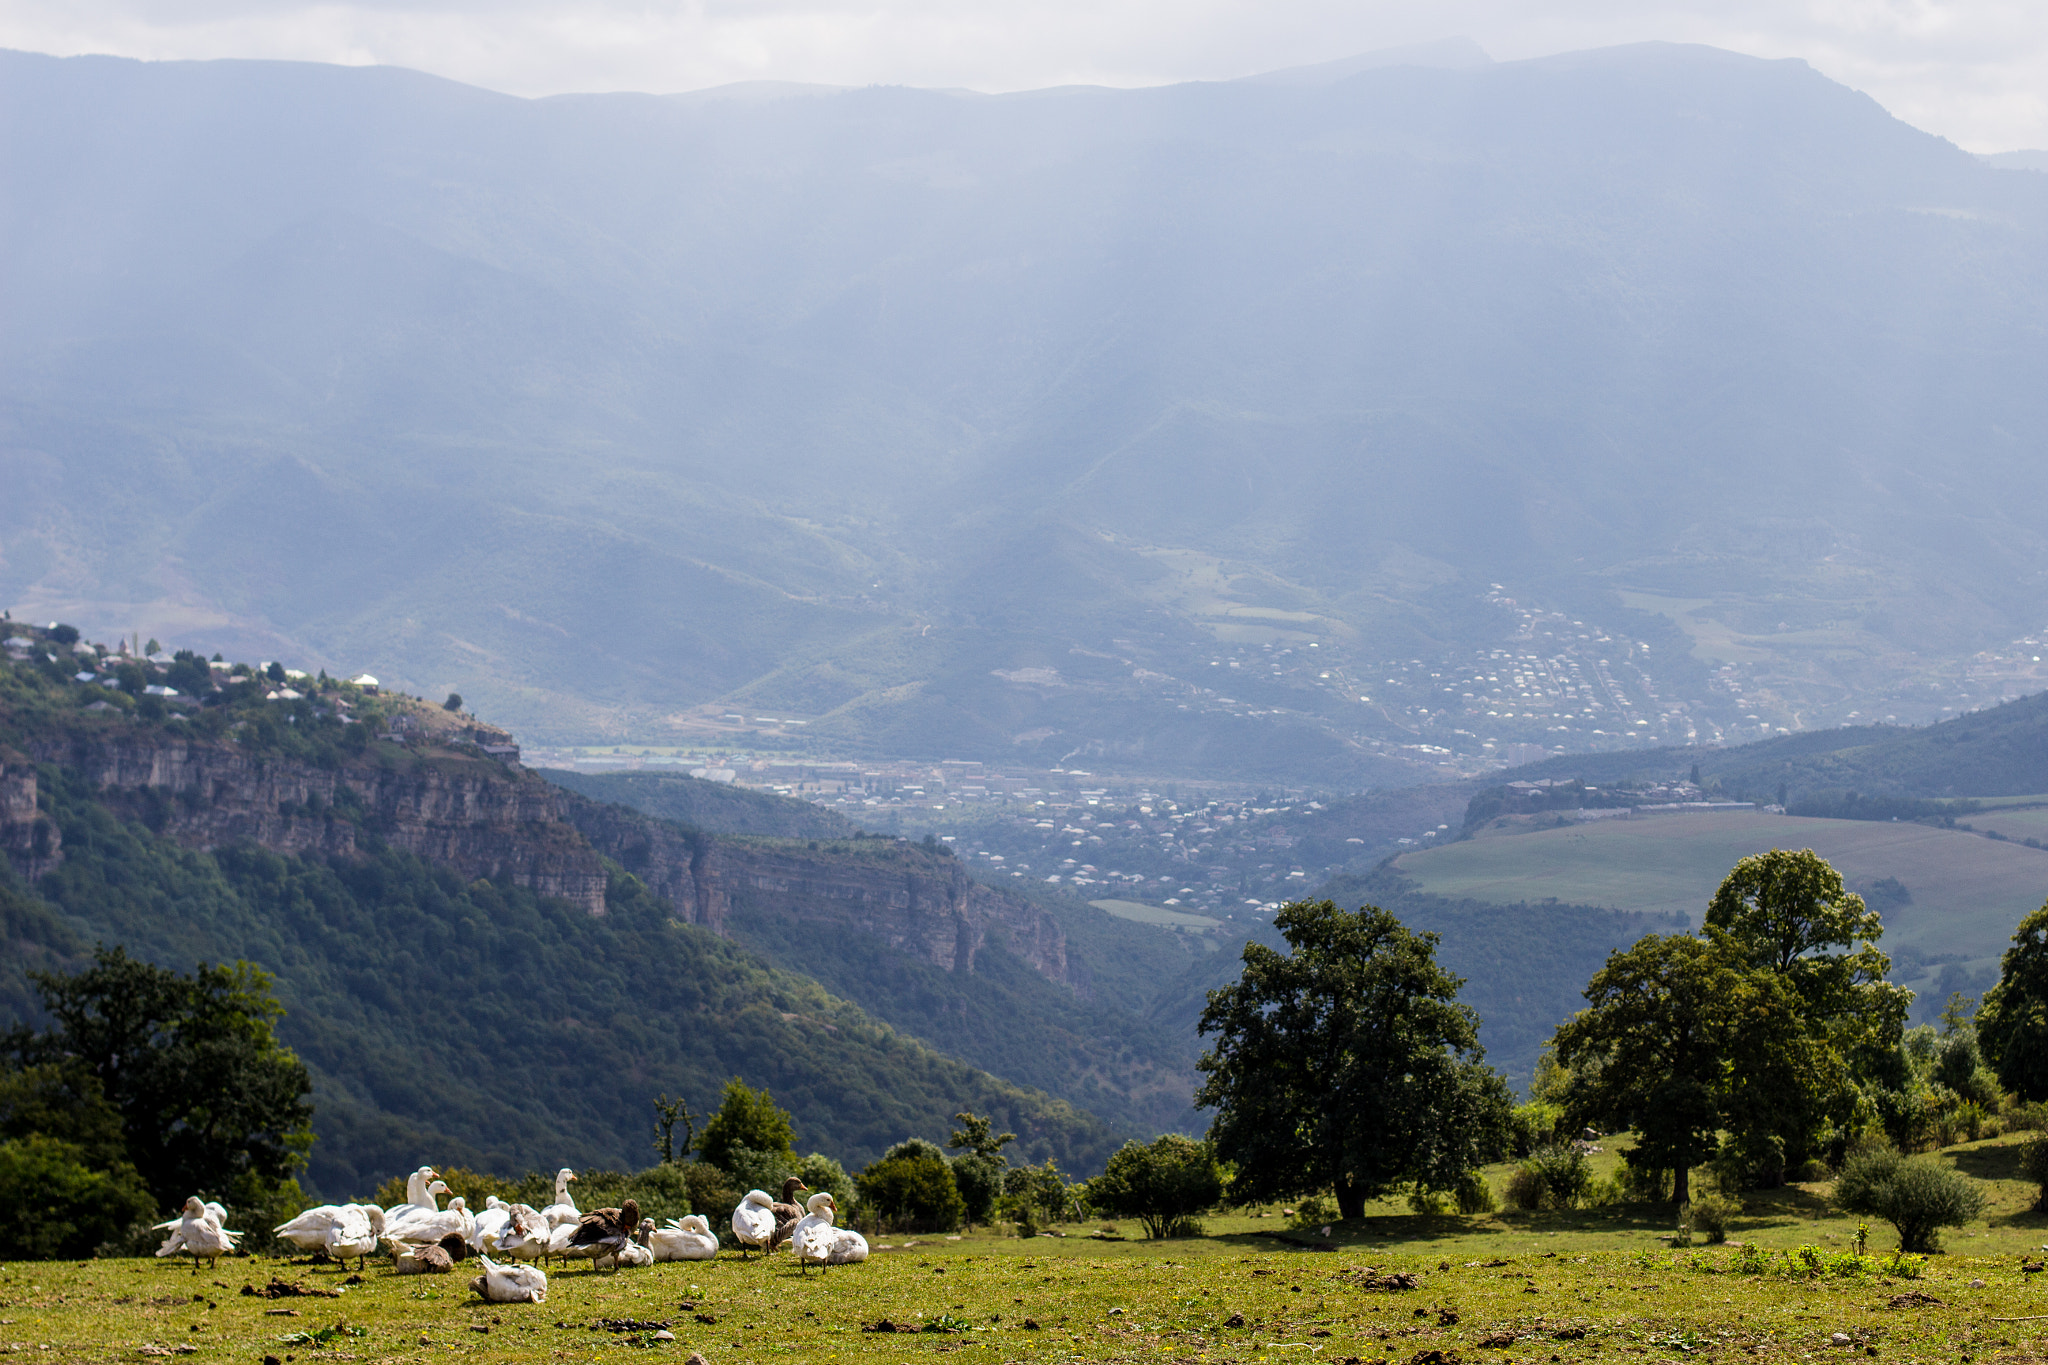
(2034, 1167)
(911, 1190)
(753, 1168)
(1525, 1189)
(1163, 1186)
(1918, 1195)
(53, 1204)
(821, 1172)
(1811, 1171)
(980, 1180)
(1711, 1214)
(1551, 1178)
(1474, 1195)
(1645, 1184)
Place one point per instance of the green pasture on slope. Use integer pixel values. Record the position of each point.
(1579, 1286)
(1968, 891)
(1156, 914)
(2022, 822)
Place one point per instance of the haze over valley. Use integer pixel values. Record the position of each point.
(1648, 395)
(919, 578)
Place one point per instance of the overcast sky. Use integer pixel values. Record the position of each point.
(1975, 71)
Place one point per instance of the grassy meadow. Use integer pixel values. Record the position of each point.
(1569, 1286)
(1968, 891)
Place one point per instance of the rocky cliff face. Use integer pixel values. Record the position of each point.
(28, 838)
(470, 814)
(918, 902)
(486, 820)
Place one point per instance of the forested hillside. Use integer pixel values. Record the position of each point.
(451, 978)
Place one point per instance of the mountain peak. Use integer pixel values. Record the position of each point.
(1444, 54)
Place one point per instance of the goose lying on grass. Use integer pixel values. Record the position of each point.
(510, 1283)
(687, 1239)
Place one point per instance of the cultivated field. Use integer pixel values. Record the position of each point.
(1968, 891)
(1163, 915)
(1601, 1284)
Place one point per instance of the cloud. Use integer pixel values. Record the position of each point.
(1975, 71)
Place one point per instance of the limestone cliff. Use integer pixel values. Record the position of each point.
(468, 813)
(452, 805)
(919, 902)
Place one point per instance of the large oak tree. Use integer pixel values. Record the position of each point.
(1347, 1064)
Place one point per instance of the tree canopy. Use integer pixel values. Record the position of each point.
(747, 1121)
(209, 1100)
(1163, 1185)
(2012, 1023)
(1347, 1064)
(1650, 1050)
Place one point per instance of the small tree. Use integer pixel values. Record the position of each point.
(1164, 1186)
(454, 702)
(911, 1189)
(747, 1119)
(667, 1114)
(1918, 1196)
(978, 1170)
(275, 672)
(1651, 1049)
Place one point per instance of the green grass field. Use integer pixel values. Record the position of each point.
(1968, 891)
(1161, 915)
(1598, 1284)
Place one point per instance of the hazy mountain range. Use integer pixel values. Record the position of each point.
(1004, 426)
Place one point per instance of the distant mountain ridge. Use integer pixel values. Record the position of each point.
(1000, 427)
(1999, 751)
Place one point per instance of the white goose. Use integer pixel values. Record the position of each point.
(635, 1252)
(560, 1245)
(355, 1232)
(526, 1236)
(564, 1209)
(399, 1215)
(427, 1228)
(688, 1239)
(815, 1239)
(510, 1283)
(753, 1222)
(418, 1193)
(490, 1225)
(308, 1231)
(198, 1234)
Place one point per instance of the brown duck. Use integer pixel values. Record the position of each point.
(788, 1213)
(607, 1230)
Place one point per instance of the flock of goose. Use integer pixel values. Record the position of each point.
(425, 1238)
